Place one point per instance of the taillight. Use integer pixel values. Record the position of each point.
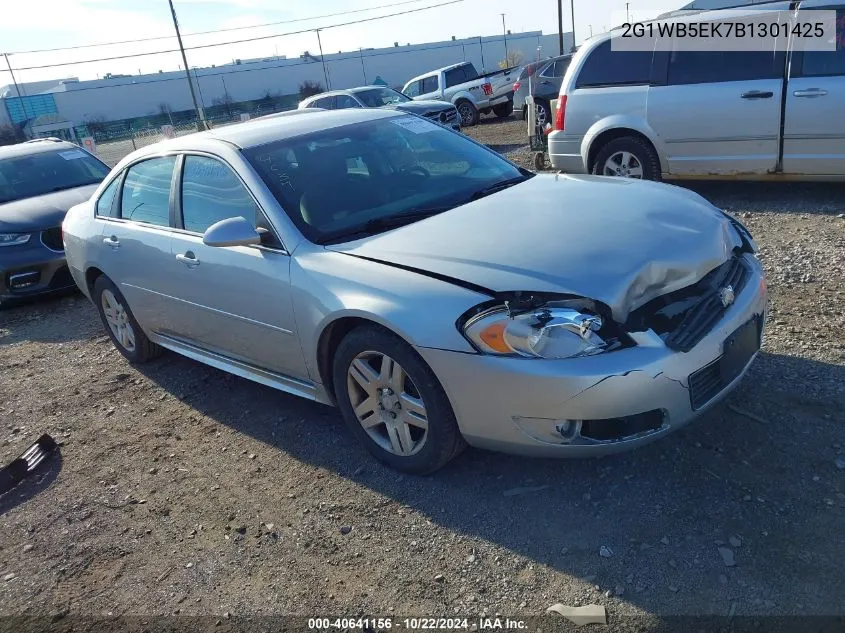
(487, 88)
(560, 115)
(516, 86)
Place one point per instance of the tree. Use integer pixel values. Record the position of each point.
(226, 100)
(10, 134)
(309, 88)
(96, 125)
(514, 58)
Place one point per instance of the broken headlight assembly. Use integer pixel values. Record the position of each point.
(553, 330)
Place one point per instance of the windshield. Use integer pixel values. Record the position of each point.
(378, 97)
(44, 172)
(337, 183)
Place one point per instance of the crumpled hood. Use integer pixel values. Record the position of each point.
(41, 212)
(618, 241)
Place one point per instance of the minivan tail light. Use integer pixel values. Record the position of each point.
(560, 115)
(516, 86)
(487, 88)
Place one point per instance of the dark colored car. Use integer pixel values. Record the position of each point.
(545, 79)
(383, 97)
(39, 181)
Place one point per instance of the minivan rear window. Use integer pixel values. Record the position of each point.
(606, 67)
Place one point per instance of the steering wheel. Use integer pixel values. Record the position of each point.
(416, 169)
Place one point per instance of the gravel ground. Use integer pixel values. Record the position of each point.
(183, 490)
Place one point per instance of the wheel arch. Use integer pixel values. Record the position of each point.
(617, 127)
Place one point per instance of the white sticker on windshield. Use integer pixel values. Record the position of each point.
(417, 126)
(72, 154)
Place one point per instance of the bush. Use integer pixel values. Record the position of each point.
(309, 88)
(10, 134)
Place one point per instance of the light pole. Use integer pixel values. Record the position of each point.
(17, 88)
(560, 26)
(627, 15)
(323, 59)
(572, 10)
(505, 36)
(200, 113)
(481, 46)
(363, 70)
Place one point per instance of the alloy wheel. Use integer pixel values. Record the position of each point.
(118, 320)
(387, 404)
(623, 165)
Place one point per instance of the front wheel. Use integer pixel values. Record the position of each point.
(468, 112)
(393, 402)
(628, 157)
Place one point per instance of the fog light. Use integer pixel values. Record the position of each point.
(550, 431)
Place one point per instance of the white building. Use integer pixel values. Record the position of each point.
(125, 97)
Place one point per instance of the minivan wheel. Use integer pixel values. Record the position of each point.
(393, 403)
(125, 333)
(628, 157)
(468, 112)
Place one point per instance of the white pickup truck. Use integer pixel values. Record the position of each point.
(472, 94)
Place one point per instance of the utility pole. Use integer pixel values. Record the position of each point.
(17, 88)
(323, 59)
(572, 10)
(481, 46)
(363, 70)
(627, 15)
(505, 36)
(200, 113)
(560, 25)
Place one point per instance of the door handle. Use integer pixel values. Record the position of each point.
(189, 259)
(758, 94)
(112, 241)
(810, 92)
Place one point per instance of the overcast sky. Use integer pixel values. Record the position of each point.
(41, 24)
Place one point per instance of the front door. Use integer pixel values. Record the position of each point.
(814, 129)
(235, 301)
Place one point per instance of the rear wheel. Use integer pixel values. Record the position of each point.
(628, 157)
(393, 402)
(542, 112)
(120, 323)
(468, 112)
(503, 109)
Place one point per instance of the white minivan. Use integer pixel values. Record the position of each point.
(687, 114)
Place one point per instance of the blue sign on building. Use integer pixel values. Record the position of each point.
(22, 109)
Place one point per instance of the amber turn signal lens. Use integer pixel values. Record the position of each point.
(494, 337)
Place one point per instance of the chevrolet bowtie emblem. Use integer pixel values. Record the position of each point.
(727, 295)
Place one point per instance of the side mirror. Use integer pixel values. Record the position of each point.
(231, 232)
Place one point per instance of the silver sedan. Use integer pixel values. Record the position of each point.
(435, 292)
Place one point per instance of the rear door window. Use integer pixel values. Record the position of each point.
(429, 84)
(342, 102)
(146, 191)
(827, 63)
(701, 67)
(606, 67)
(454, 77)
(325, 102)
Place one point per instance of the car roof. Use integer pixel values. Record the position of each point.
(363, 88)
(266, 130)
(37, 146)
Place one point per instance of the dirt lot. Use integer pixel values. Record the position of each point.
(183, 490)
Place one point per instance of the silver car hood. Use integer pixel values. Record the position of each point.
(618, 241)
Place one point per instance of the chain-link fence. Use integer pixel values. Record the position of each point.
(111, 150)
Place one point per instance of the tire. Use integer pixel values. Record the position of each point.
(105, 293)
(468, 113)
(638, 154)
(416, 451)
(543, 112)
(503, 109)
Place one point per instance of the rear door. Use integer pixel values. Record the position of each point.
(546, 83)
(135, 250)
(814, 128)
(429, 87)
(718, 112)
(344, 102)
